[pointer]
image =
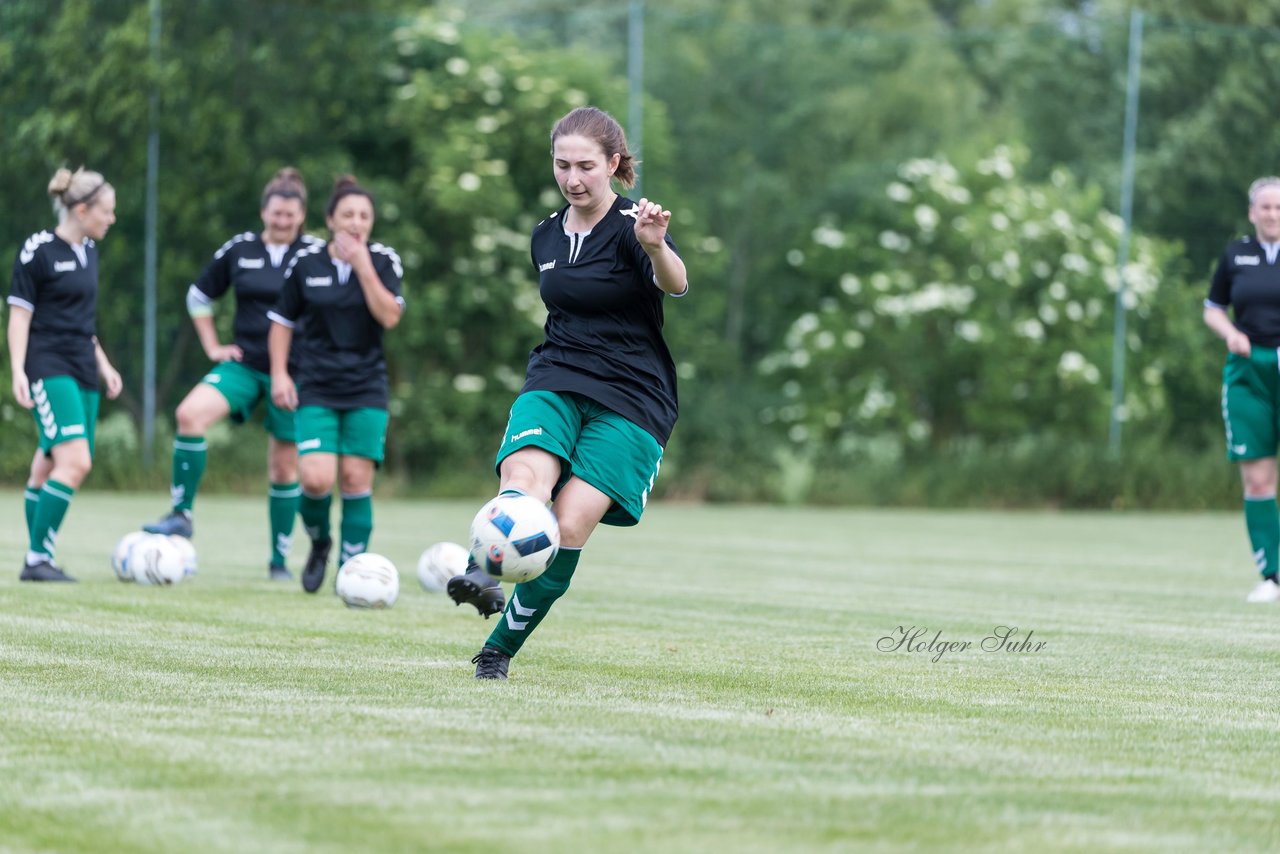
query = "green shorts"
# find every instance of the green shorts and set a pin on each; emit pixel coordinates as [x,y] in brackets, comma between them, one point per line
[347,432]
[63,411]
[243,387]
[593,443]
[1251,404]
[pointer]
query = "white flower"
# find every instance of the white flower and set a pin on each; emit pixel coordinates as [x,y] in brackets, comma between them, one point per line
[898,191]
[468,383]
[1030,329]
[825,235]
[850,284]
[969,330]
[926,217]
[999,221]
[457,66]
[894,241]
[469,181]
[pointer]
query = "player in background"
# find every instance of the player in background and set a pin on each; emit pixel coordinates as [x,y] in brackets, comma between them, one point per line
[252,266]
[56,358]
[1247,280]
[599,399]
[339,297]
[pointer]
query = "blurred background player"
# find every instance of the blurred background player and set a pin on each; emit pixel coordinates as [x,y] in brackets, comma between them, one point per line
[599,399]
[1247,280]
[56,357]
[339,296]
[252,266]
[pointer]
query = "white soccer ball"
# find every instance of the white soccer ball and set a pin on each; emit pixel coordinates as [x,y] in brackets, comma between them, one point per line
[155,560]
[120,556]
[514,538]
[440,563]
[368,580]
[188,552]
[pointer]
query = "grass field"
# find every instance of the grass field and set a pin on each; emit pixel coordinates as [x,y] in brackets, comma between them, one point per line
[716,680]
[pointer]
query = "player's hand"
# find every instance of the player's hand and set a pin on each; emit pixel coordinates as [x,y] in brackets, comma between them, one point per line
[353,249]
[1238,343]
[284,393]
[22,391]
[651,224]
[225,353]
[114,383]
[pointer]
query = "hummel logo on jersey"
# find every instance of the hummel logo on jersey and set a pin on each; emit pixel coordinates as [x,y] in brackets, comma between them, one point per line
[1239,450]
[534,431]
[64,266]
[251,263]
[73,430]
[550,265]
[33,243]
[1248,260]
[319,281]
[634,212]
[308,445]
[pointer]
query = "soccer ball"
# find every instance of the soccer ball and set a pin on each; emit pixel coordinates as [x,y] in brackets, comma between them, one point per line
[440,563]
[368,580]
[514,538]
[120,556]
[154,559]
[188,552]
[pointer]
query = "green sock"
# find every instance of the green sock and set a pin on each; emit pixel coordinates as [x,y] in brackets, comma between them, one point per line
[315,514]
[357,525]
[282,507]
[55,498]
[1262,519]
[30,499]
[530,601]
[190,453]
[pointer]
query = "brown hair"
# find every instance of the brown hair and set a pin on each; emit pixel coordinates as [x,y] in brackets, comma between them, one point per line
[595,124]
[343,186]
[287,184]
[69,189]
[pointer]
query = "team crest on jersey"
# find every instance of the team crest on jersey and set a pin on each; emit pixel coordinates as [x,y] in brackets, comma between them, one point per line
[251,263]
[1248,260]
[64,266]
[319,281]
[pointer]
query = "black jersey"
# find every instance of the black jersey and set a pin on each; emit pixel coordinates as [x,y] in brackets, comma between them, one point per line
[340,360]
[61,291]
[1247,282]
[245,265]
[604,322]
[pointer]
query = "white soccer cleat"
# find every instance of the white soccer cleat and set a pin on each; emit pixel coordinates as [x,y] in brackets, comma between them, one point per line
[1266,591]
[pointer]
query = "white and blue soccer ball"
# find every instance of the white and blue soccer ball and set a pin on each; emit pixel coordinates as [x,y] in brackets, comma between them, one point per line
[368,580]
[120,555]
[439,563]
[188,552]
[154,559]
[514,538]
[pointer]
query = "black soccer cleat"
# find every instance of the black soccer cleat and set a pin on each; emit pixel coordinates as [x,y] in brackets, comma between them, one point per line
[45,570]
[479,588]
[491,663]
[279,572]
[178,523]
[313,572]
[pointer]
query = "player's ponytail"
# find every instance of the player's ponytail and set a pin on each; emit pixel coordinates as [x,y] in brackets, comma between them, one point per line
[68,189]
[595,124]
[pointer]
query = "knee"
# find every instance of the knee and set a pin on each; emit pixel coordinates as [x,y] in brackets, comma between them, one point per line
[190,419]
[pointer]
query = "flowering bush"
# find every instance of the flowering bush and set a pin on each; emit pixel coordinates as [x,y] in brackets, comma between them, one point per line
[968,305]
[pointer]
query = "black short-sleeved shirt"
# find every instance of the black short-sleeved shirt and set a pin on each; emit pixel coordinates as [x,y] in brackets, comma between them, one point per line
[1247,282]
[244,264]
[61,292]
[604,323]
[340,360]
